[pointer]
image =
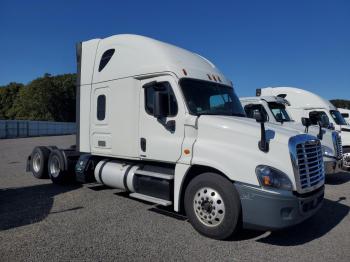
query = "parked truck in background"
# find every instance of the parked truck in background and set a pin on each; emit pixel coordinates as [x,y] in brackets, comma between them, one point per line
[307,104]
[275,109]
[345,114]
[165,125]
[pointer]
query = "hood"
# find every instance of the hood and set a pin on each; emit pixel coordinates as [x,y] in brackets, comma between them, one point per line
[248,127]
[230,144]
[327,139]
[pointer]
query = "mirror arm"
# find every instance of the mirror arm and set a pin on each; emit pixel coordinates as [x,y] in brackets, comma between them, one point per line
[320,133]
[263,144]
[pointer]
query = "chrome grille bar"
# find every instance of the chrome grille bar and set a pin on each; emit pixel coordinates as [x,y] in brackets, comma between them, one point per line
[307,159]
[338,146]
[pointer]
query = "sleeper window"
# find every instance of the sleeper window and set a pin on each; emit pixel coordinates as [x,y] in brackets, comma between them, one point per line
[107,55]
[163,87]
[101,107]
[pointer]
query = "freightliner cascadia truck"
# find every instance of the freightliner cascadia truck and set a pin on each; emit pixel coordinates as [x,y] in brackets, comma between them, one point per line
[165,125]
[275,109]
[303,103]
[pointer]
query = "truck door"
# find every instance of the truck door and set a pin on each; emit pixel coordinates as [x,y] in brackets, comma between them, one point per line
[161,139]
[100,135]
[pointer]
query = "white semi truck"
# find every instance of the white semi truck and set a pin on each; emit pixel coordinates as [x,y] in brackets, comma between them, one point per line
[345,114]
[306,104]
[275,109]
[165,125]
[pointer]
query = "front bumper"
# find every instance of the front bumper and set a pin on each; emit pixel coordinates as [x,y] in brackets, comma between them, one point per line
[332,166]
[265,210]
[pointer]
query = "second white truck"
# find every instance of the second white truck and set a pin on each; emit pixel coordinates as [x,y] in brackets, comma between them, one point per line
[345,114]
[275,109]
[165,125]
[307,104]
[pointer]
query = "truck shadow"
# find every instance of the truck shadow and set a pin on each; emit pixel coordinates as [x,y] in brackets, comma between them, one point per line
[328,217]
[338,178]
[29,205]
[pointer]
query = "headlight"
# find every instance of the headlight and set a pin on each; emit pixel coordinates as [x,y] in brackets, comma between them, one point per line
[327,151]
[273,178]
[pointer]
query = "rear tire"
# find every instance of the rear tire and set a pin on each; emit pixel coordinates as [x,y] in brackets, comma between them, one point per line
[57,168]
[213,206]
[346,158]
[38,162]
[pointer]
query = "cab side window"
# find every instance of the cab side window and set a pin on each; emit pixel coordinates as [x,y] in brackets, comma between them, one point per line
[250,108]
[164,87]
[101,107]
[315,116]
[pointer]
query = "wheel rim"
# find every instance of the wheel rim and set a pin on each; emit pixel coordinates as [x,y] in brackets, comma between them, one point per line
[36,162]
[55,166]
[346,160]
[209,206]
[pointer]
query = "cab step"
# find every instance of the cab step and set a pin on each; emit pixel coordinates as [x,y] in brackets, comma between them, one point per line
[154,174]
[151,199]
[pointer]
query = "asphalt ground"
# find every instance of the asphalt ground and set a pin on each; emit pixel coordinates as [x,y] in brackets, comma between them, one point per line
[40,221]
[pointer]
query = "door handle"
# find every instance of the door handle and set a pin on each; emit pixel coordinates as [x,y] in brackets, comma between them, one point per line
[143,144]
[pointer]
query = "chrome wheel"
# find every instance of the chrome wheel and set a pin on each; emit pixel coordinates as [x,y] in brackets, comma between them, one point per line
[54,166]
[209,206]
[346,160]
[36,162]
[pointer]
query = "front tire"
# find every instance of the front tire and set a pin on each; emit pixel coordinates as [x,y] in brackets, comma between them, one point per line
[213,206]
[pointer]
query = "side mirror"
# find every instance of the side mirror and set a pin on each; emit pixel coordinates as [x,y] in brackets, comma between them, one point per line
[324,121]
[306,122]
[259,117]
[160,104]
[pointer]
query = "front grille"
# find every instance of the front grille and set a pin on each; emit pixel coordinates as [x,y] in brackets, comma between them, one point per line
[337,145]
[309,162]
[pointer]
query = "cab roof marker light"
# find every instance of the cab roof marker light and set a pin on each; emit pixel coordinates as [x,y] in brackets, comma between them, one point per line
[219,78]
[209,76]
[184,71]
[214,78]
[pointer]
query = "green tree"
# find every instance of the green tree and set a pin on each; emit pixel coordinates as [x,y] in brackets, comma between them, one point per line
[341,103]
[8,96]
[47,98]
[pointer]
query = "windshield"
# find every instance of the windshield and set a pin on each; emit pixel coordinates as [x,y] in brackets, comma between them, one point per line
[338,118]
[279,112]
[207,98]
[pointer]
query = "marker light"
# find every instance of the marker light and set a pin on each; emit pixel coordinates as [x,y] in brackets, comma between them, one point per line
[219,79]
[214,78]
[187,151]
[185,73]
[209,76]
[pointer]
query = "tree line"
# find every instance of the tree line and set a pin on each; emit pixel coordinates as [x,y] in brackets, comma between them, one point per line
[341,103]
[52,98]
[47,98]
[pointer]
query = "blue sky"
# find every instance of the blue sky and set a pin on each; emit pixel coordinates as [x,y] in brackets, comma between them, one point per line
[255,43]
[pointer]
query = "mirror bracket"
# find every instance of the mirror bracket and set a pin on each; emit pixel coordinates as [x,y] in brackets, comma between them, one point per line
[262,118]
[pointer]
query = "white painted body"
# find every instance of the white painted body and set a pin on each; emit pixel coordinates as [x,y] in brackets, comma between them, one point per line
[228,144]
[328,141]
[303,102]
